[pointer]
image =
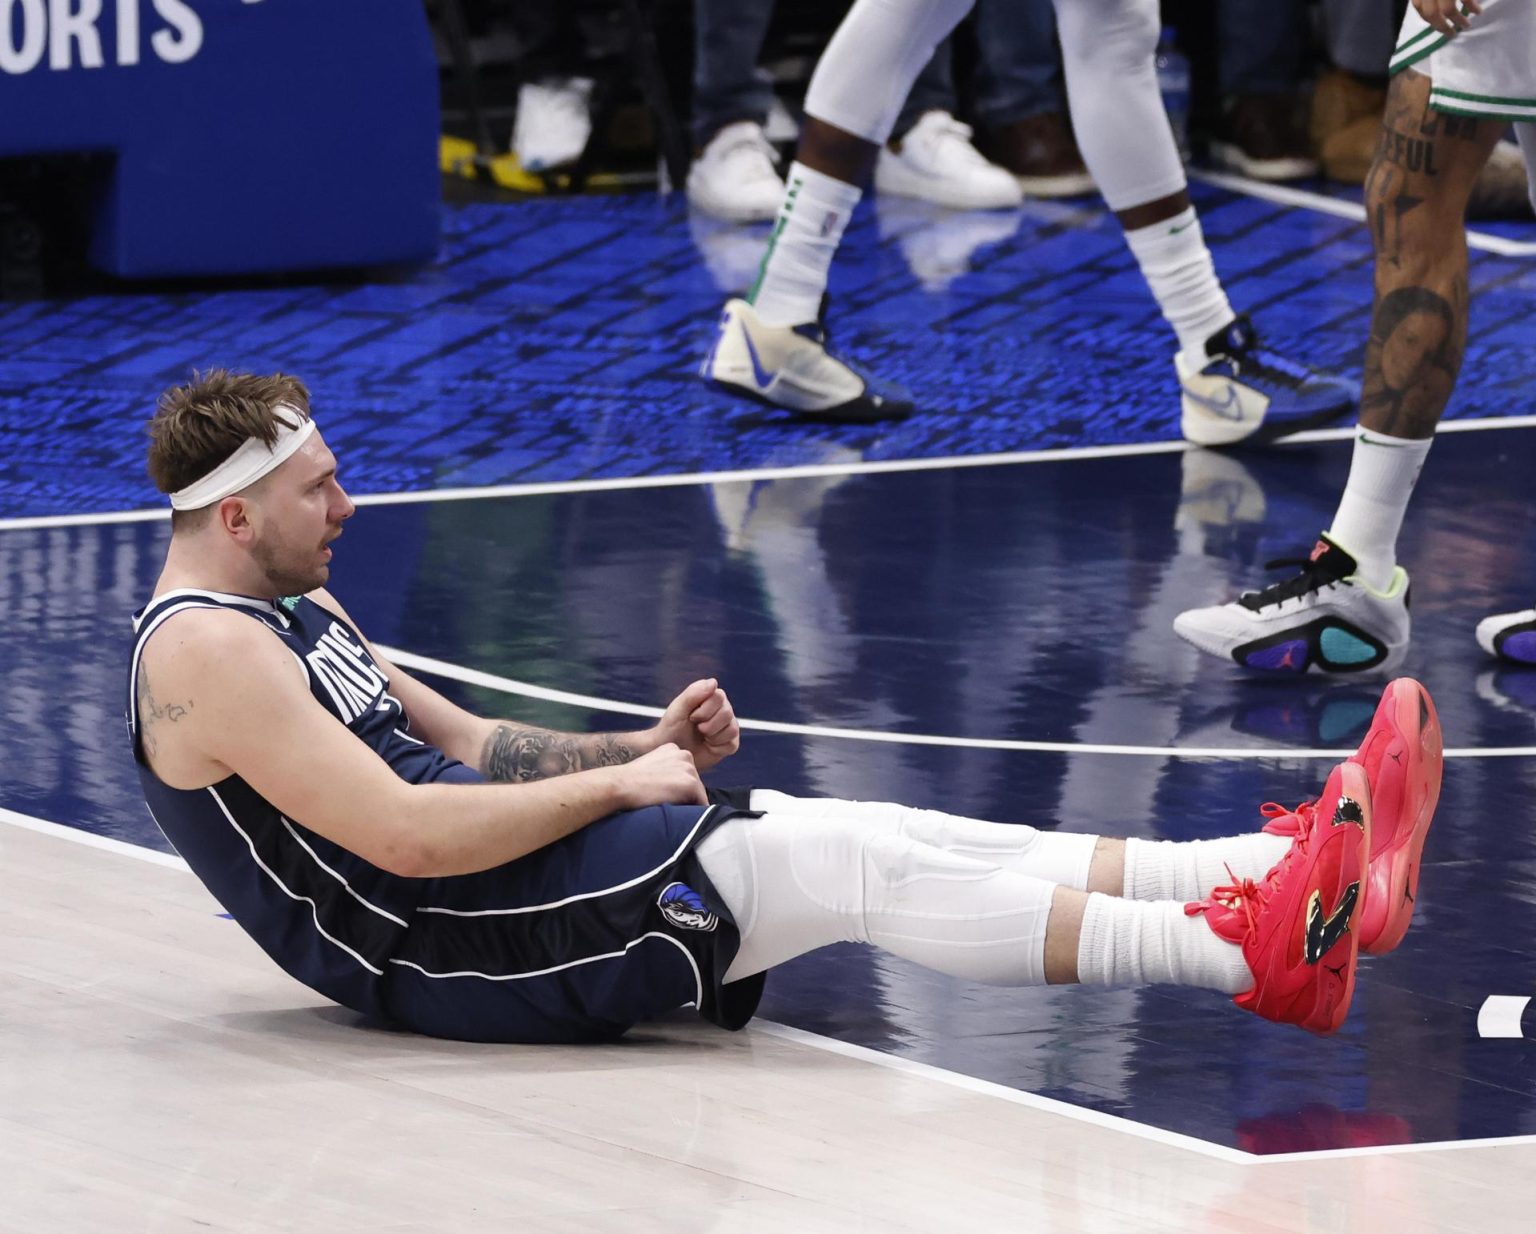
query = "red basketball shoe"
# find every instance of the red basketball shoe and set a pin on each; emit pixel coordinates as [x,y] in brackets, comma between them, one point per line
[1401,754]
[1296,928]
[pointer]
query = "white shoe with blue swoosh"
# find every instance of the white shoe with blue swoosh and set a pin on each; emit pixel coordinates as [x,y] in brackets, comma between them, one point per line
[793,367]
[1240,393]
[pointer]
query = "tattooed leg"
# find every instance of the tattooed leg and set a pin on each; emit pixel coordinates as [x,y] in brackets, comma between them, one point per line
[1416,200]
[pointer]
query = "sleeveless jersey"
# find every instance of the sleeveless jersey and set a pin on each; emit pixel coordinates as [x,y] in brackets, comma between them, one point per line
[327,917]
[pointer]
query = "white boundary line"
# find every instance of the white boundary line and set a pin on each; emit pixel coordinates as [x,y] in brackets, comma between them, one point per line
[123,849]
[928,1071]
[1323,204]
[523,689]
[749,475]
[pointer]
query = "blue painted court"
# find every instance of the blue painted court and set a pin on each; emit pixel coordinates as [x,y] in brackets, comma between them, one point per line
[991,635]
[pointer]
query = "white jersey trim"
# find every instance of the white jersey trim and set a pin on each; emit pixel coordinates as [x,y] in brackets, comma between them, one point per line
[314,909]
[223,597]
[698,980]
[352,891]
[138,650]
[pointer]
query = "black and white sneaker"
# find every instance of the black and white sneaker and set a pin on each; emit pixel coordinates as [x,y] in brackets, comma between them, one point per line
[1240,392]
[795,368]
[1326,617]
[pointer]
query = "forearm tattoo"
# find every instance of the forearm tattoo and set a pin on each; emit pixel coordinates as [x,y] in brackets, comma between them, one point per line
[518,754]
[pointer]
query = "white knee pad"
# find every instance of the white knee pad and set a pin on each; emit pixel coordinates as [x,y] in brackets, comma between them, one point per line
[868,68]
[796,884]
[1057,857]
[1108,49]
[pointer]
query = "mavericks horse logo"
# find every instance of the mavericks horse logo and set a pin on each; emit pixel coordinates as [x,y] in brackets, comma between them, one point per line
[685,908]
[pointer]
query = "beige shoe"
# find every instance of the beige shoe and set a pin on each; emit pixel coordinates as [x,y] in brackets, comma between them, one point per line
[1346,124]
[1503,189]
[1347,155]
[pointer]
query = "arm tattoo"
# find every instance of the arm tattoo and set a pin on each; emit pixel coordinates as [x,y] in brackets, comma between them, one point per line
[151,713]
[520,754]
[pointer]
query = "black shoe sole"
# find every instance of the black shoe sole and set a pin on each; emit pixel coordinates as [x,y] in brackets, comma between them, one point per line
[1267,433]
[861,410]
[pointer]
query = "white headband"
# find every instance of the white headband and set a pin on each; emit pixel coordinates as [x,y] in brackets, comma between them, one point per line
[246,465]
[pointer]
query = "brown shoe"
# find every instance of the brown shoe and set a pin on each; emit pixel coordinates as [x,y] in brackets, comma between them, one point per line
[1346,124]
[1042,154]
[1348,152]
[1261,136]
[1339,99]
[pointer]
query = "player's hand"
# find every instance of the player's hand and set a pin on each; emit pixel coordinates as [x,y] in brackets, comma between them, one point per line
[664,776]
[1446,16]
[702,721]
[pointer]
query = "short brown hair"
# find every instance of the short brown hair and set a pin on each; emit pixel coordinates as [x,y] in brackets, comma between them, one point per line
[199,425]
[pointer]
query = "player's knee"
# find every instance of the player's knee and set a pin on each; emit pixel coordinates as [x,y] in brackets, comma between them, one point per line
[1118,36]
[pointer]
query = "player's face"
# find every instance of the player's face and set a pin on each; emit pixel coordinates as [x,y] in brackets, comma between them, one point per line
[301,513]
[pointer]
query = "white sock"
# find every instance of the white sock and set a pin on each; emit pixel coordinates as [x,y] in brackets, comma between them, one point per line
[810,226]
[1178,269]
[1381,479]
[1126,942]
[1189,869]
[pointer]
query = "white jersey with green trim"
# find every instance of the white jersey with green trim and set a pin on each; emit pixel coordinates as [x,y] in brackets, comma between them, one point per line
[1487,70]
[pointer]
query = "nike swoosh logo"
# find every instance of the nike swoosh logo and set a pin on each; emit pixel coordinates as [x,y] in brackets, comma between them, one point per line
[1173,231]
[1228,408]
[763,378]
[1325,930]
[1385,445]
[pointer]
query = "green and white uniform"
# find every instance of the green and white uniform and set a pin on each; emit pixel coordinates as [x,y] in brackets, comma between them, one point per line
[1488,70]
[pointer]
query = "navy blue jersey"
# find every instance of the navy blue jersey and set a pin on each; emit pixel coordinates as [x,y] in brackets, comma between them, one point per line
[576,941]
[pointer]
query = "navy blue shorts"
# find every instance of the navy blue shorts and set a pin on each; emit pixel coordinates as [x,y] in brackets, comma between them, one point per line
[575,942]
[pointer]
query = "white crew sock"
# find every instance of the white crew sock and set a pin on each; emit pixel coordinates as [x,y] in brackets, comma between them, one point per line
[1381,479]
[1178,269]
[1187,870]
[1127,942]
[810,226]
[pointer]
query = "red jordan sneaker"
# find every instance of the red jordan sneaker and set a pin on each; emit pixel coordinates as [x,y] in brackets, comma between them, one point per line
[1296,928]
[1401,755]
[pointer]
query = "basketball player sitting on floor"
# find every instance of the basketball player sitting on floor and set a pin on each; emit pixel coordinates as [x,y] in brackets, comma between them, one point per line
[486,880]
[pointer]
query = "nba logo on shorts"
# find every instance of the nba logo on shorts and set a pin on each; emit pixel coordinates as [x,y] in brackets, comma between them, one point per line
[681,905]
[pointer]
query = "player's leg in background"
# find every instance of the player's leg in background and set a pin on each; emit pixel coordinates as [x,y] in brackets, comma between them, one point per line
[1348,609]
[1233,389]
[771,346]
[1511,636]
